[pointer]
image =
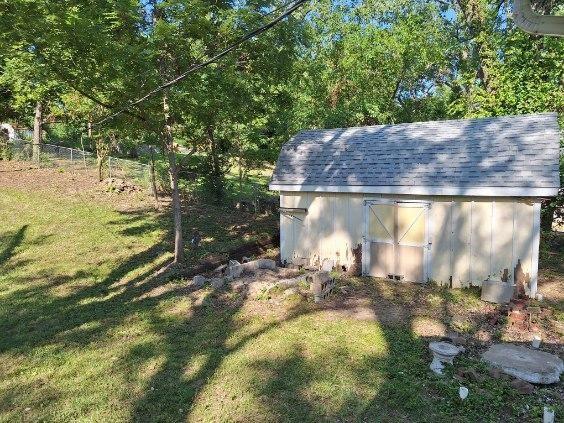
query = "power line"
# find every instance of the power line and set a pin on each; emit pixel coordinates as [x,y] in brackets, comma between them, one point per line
[296,5]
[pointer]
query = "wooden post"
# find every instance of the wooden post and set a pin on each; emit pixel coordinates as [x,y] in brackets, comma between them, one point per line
[83,152]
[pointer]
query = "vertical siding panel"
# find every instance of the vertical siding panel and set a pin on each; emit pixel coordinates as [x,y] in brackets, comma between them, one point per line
[300,226]
[356,220]
[502,238]
[523,237]
[535,249]
[481,240]
[341,236]
[440,238]
[315,223]
[461,243]
[325,224]
[286,229]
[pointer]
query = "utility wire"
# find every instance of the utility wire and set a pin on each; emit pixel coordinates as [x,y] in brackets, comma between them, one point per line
[295,6]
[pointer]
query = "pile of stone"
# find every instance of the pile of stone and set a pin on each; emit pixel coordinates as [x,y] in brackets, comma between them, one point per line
[227,273]
[257,277]
[120,186]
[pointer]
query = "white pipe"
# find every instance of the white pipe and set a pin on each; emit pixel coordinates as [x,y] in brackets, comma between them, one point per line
[530,21]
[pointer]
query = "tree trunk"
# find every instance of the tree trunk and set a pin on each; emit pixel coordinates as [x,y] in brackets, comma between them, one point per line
[153,179]
[240,163]
[547,215]
[216,172]
[37,131]
[173,173]
[99,161]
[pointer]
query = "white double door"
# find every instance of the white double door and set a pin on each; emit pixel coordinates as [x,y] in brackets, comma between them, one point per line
[396,240]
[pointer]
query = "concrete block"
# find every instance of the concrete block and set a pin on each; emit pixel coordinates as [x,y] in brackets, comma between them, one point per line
[497,292]
[321,285]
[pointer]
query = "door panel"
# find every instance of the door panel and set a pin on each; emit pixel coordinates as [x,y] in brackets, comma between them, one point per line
[410,263]
[381,259]
[381,222]
[397,240]
[411,225]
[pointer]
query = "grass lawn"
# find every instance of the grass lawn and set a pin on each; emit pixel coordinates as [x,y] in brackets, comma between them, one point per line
[88,334]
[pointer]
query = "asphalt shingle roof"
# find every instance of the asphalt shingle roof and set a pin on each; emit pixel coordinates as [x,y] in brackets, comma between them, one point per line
[511,151]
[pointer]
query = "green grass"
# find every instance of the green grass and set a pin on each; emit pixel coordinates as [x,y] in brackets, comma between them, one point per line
[88,335]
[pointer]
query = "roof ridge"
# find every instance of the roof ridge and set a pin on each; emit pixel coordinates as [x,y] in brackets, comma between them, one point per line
[426,122]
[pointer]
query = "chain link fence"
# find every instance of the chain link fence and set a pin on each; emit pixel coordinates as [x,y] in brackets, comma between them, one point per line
[64,157]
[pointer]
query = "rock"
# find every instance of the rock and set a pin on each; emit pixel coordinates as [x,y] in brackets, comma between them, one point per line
[253,265]
[548,415]
[524,363]
[327,265]
[463,392]
[266,264]
[198,281]
[245,260]
[523,387]
[217,283]
[220,269]
[234,269]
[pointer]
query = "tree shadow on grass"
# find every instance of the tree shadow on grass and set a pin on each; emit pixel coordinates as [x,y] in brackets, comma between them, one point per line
[392,384]
[193,349]
[88,312]
[10,243]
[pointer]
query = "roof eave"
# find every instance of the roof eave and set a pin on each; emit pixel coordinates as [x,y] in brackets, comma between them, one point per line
[422,190]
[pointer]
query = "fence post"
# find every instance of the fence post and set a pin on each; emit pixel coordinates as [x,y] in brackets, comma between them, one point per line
[110,165]
[83,152]
[71,154]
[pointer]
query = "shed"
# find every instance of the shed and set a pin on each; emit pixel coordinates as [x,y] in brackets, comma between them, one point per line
[453,201]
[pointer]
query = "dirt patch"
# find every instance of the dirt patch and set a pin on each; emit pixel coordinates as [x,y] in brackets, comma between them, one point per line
[428,311]
[71,182]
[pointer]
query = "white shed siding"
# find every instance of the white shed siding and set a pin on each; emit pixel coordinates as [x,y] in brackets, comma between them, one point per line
[460,242]
[502,236]
[471,237]
[441,262]
[481,240]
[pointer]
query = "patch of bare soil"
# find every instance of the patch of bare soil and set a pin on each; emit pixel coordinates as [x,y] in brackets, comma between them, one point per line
[72,182]
[428,311]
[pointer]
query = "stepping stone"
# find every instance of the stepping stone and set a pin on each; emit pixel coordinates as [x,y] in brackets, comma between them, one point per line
[524,363]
